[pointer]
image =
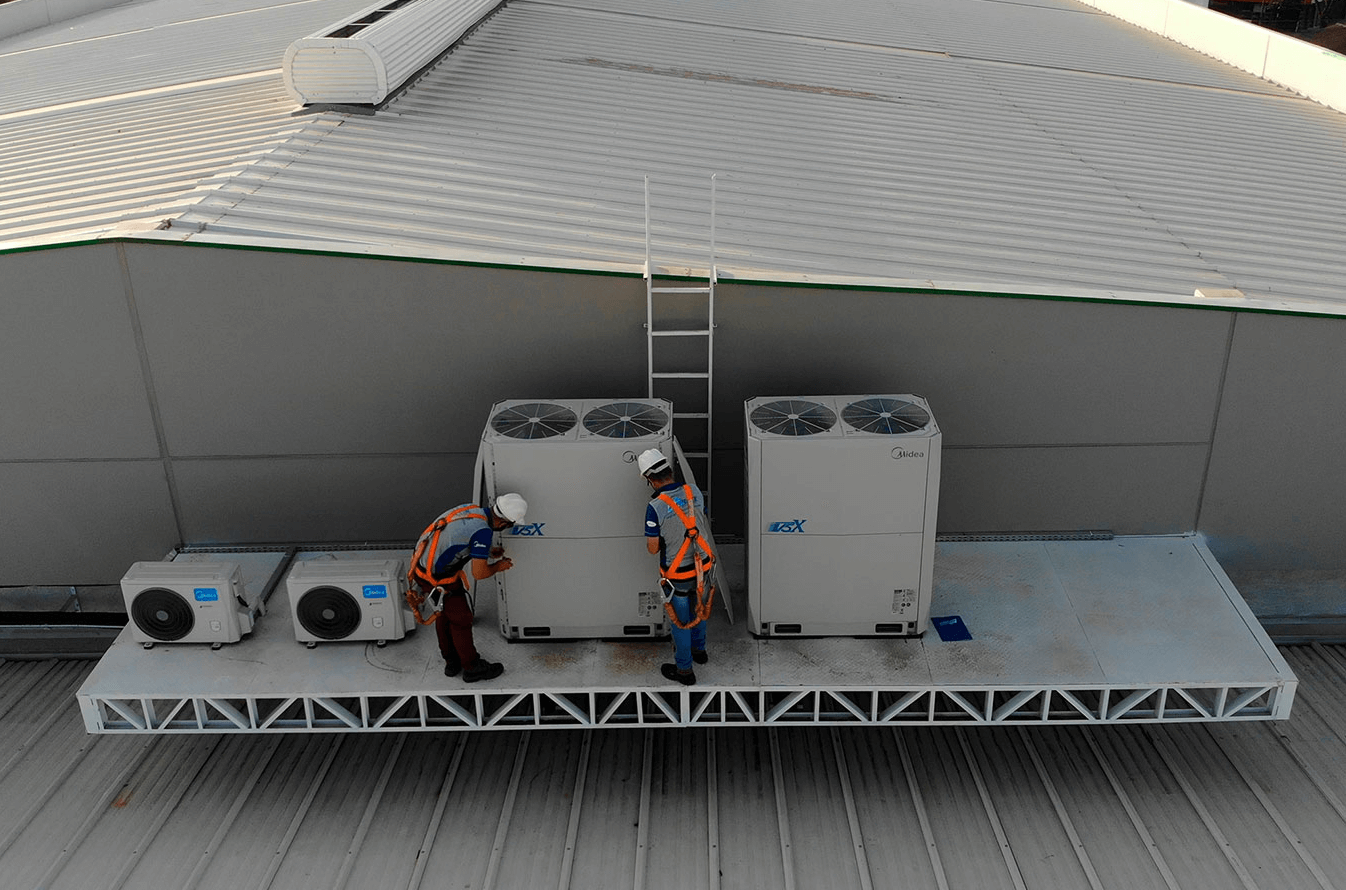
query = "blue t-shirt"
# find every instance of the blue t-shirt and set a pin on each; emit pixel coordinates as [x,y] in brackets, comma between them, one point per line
[467,537]
[662,523]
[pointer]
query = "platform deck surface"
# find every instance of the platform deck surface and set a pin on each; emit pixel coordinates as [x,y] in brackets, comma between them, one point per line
[1135,628]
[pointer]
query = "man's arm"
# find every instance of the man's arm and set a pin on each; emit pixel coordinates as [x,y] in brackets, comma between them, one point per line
[481,551]
[481,569]
[651,530]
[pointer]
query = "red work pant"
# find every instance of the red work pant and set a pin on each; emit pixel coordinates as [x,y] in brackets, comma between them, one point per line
[453,627]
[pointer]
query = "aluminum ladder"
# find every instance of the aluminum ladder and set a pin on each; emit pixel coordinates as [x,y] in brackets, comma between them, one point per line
[680,371]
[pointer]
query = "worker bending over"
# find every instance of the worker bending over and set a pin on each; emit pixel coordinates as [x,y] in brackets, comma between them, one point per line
[461,538]
[673,532]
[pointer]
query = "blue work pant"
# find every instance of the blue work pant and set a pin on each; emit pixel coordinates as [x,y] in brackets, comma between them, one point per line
[684,641]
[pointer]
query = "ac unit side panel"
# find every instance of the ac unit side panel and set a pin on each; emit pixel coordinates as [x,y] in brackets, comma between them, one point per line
[752,551]
[934,467]
[578,588]
[835,584]
[844,486]
[575,489]
[199,602]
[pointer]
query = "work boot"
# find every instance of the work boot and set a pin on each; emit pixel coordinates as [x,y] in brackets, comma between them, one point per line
[452,668]
[671,672]
[481,669]
[700,656]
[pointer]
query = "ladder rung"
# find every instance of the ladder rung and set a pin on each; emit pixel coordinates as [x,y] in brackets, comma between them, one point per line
[679,333]
[691,415]
[701,454]
[680,290]
[695,375]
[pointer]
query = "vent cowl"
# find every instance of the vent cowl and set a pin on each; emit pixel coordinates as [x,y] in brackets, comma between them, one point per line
[361,59]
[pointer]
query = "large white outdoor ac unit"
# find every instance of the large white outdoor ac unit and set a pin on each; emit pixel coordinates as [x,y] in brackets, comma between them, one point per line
[581,569]
[842,494]
[187,602]
[358,599]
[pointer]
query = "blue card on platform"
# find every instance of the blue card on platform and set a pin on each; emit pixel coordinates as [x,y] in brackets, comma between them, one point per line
[951,628]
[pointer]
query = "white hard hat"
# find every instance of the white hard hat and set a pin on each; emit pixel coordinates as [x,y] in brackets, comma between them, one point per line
[511,507]
[651,461]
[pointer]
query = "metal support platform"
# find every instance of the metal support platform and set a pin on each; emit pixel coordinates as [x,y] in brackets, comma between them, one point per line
[1131,630]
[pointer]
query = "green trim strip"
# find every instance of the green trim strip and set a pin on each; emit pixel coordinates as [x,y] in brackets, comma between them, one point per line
[752,282]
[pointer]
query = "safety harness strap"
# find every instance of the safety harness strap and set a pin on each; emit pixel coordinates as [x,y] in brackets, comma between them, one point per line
[703,558]
[418,574]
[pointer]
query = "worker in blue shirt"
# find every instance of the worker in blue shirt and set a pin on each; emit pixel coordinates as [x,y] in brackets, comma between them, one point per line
[459,540]
[673,534]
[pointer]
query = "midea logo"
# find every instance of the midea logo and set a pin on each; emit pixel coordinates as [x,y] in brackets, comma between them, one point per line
[898,454]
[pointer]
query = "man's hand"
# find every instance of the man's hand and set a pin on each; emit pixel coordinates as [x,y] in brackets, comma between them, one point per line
[502,566]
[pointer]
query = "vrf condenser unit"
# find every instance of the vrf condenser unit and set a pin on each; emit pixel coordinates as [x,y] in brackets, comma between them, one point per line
[580,569]
[188,602]
[841,497]
[335,600]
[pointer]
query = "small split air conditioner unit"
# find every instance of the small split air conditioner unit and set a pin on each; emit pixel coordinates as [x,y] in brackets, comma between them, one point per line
[187,602]
[842,493]
[339,600]
[581,569]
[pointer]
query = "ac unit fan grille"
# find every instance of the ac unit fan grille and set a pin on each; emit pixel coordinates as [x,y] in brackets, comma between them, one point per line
[163,614]
[793,417]
[535,420]
[888,417]
[625,420]
[328,613]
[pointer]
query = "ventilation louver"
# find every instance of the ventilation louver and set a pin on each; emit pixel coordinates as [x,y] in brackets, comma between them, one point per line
[533,420]
[793,417]
[362,59]
[625,420]
[886,416]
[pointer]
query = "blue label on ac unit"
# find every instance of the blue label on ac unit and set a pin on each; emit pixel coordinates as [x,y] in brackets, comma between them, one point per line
[376,591]
[206,594]
[789,526]
[531,530]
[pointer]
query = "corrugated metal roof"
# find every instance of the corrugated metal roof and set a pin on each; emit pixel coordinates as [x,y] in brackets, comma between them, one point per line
[121,114]
[89,167]
[1138,806]
[1031,146]
[1017,146]
[155,44]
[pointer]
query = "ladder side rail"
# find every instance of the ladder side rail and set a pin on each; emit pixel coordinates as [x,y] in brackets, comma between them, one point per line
[710,353]
[649,300]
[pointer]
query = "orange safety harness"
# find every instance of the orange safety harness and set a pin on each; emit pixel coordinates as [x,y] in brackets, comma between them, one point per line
[418,575]
[703,558]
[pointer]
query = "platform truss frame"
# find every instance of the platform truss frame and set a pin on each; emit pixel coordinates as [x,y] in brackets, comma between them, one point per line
[480,710]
